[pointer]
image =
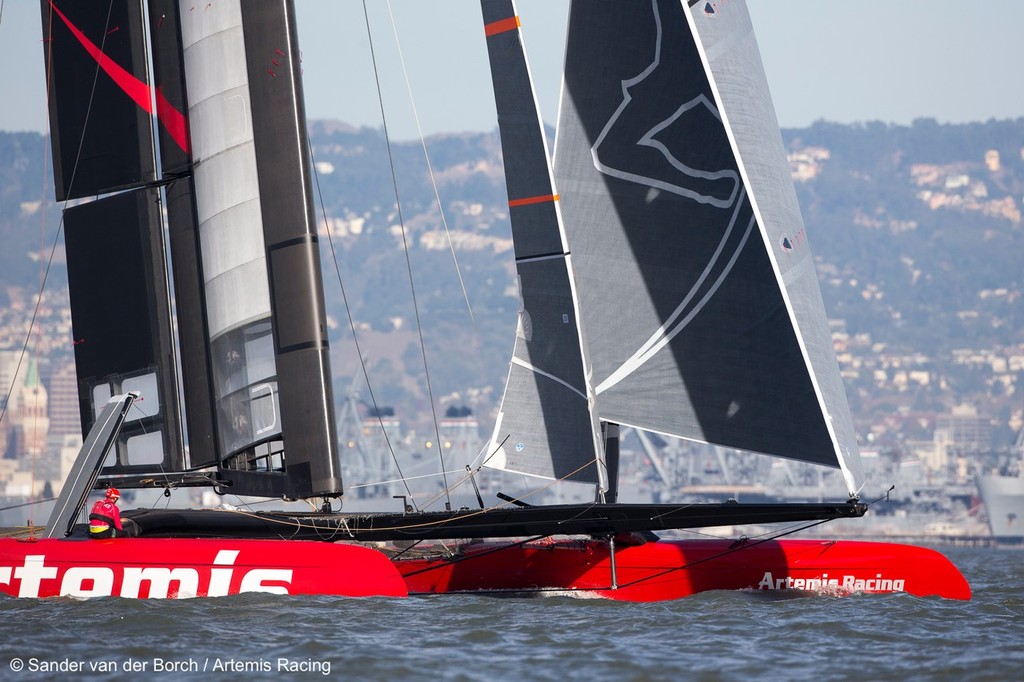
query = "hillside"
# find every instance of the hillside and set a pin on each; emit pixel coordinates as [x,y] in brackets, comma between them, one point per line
[917,231]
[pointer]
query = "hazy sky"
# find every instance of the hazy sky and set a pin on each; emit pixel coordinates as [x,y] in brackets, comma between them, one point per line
[887,60]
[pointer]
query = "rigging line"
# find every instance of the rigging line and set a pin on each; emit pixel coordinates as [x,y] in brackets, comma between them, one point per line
[535,491]
[27,504]
[44,272]
[458,483]
[692,531]
[430,168]
[408,258]
[549,484]
[680,507]
[352,325]
[582,511]
[142,425]
[396,480]
[410,547]
[882,497]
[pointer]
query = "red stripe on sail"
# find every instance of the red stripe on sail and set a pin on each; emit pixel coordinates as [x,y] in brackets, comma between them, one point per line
[140,93]
[132,86]
[501,26]
[525,201]
[173,121]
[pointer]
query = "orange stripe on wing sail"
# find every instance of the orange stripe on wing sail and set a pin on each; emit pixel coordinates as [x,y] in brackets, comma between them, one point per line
[525,201]
[501,26]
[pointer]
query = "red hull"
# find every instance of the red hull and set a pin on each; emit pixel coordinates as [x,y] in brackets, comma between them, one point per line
[673,569]
[175,568]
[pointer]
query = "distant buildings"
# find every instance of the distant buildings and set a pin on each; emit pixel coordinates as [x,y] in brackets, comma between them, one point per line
[964,430]
[952,187]
[40,433]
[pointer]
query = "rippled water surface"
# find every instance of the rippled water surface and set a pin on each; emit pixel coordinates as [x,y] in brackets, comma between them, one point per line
[712,636]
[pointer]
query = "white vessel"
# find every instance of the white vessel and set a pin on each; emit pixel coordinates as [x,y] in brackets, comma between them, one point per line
[1003,496]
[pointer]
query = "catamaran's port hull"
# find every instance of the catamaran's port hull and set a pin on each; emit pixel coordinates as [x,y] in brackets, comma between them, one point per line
[669,569]
[180,567]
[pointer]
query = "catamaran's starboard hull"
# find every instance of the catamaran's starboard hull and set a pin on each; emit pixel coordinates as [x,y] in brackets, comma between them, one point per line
[667,569]
[179,568]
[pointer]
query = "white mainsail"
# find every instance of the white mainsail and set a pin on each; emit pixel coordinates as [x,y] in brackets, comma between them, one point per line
[696,286]
[263,299]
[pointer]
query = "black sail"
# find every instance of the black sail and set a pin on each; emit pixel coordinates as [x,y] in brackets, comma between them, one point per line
[99,96]
[545,426]
[696,286]
[121,320]
[100,105]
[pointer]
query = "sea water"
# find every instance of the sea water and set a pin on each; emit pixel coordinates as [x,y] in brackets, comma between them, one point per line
[710,636]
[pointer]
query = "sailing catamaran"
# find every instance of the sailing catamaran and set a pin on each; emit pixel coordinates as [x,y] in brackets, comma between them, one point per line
[665,283]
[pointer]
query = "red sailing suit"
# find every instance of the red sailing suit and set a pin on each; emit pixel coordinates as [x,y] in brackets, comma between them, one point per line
[104,520]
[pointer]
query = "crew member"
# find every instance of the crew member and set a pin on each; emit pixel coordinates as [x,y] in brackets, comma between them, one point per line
[105,517]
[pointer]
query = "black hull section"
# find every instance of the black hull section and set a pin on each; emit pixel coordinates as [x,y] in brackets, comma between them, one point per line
[595,520]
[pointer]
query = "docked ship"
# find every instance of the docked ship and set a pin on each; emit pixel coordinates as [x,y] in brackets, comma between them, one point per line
[1003,494]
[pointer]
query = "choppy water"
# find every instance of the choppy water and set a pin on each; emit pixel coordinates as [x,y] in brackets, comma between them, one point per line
[712,636]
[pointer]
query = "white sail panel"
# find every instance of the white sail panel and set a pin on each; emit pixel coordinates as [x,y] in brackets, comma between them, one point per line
[690,330]
[227,190]
[237,290]
[544,426]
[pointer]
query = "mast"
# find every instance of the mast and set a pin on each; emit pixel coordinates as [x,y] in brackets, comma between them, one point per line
[249,298]
[175,159]
[262,287]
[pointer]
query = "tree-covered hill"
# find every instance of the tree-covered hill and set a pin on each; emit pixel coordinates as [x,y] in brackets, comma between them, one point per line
[917,231]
